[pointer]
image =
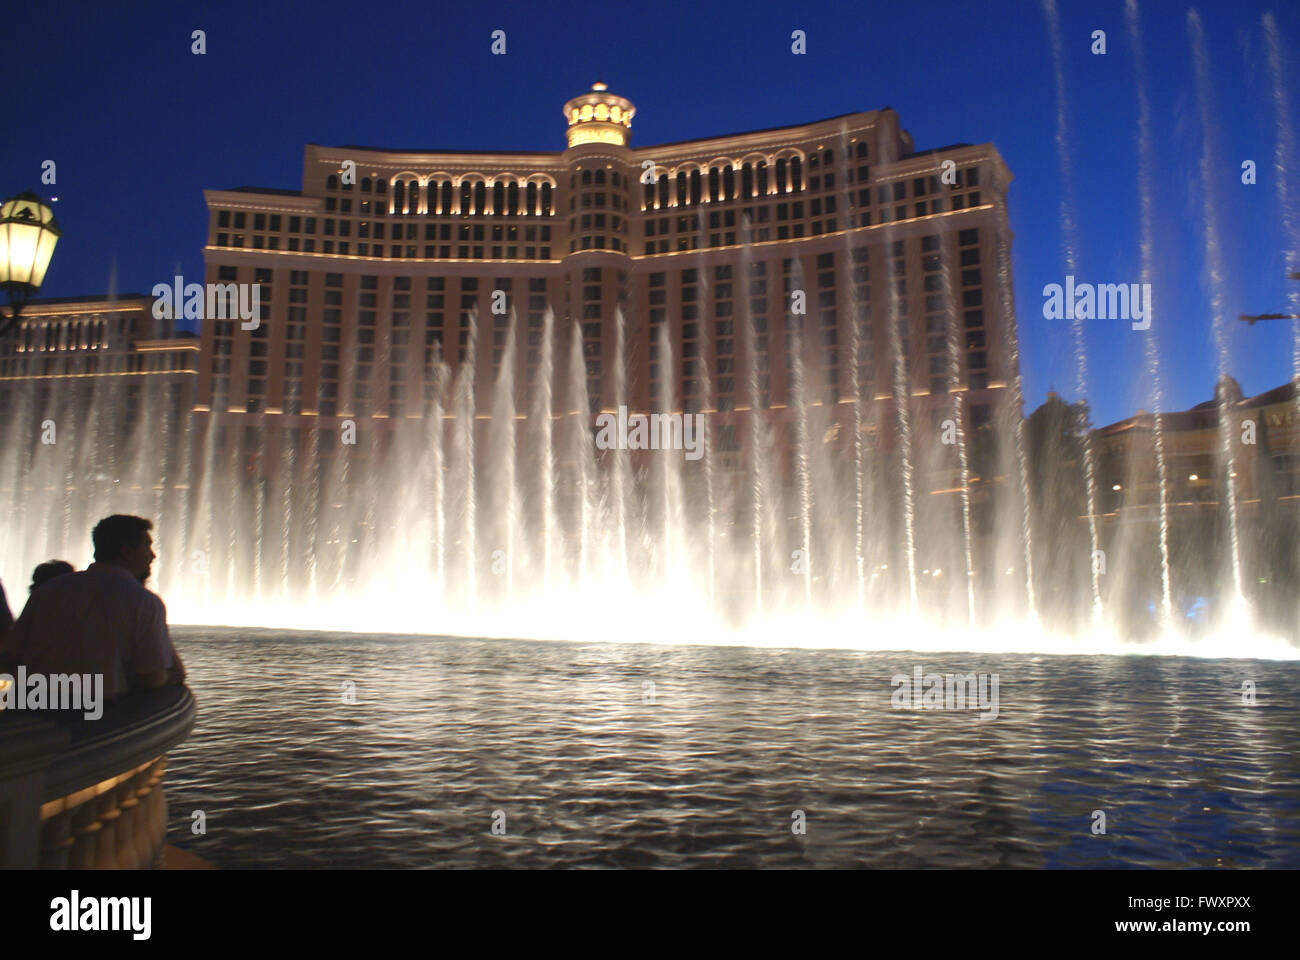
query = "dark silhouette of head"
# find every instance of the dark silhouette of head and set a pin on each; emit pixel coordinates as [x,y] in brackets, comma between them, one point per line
[47,571]
[124,541]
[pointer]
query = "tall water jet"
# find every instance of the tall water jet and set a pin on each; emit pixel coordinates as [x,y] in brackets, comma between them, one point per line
[620,470]
[1069,241]
[670,480]
[503,429]
[959,421]
[706,460]
[438,484]
[315,502]
[803,481]
[544,424]
[1214,269]
[1146,167]
[1284,153]
[1007,308]
[856,341]
[287,468]
[580,452]
[465,415]
[757,465]
[901,387]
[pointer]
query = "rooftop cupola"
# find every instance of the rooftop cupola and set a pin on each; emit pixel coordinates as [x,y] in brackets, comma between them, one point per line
[599,117]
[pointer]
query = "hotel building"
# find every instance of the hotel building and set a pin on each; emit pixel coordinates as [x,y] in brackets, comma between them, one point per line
[86,384]
[106,355]
[739,249]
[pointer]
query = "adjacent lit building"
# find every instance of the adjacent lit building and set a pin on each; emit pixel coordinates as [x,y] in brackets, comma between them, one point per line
[71,350]
[97,395]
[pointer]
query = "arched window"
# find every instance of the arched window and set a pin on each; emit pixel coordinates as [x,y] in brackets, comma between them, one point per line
[729,183]
[695,186]
[498,198]
[681,189]
[780,175]
[828,158]
[512,198]
[762,178]
[530,203]
[796,173]
[446,196]
[399,197]
[663,191]
[862,149]
[480,198]
[650,196]
[465,194]
[365,184]
[546,199]
[747,181]
[714,192]
[413,196]
[332,182]
[381,187]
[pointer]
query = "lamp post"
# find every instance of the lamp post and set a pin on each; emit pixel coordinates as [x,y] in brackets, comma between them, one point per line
[28,235]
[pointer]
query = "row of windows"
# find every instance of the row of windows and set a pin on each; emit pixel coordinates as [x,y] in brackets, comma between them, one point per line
[471,199]
[750,180]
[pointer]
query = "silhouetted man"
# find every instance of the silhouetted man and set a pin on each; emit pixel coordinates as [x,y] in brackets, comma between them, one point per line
[101,620]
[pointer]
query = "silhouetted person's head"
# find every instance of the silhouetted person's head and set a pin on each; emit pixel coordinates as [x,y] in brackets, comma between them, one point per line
[125,542]
[48,570]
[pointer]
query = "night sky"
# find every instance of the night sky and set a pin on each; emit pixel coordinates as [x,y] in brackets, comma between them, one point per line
[138,126]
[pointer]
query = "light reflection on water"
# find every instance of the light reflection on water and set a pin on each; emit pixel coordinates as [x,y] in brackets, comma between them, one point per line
[559,737]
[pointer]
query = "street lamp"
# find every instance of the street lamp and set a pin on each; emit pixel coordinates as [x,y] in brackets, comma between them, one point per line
[28,234]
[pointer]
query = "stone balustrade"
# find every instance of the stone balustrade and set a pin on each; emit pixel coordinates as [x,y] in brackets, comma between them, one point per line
[87,794]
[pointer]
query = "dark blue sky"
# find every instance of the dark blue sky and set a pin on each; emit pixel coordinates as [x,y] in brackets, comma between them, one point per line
[139,126]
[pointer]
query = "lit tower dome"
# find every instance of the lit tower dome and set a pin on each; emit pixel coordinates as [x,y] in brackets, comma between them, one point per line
[599,117]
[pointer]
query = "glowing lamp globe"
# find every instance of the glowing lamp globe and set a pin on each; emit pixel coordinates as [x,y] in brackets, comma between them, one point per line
[28,235]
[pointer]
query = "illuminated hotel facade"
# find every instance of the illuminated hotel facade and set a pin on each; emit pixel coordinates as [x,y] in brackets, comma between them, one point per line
[103,361]
[85,383]
[740,250]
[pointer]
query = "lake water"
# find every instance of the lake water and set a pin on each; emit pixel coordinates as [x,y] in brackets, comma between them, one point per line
[637,755]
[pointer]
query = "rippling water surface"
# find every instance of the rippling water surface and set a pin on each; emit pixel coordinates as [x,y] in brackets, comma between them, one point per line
[633,755]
